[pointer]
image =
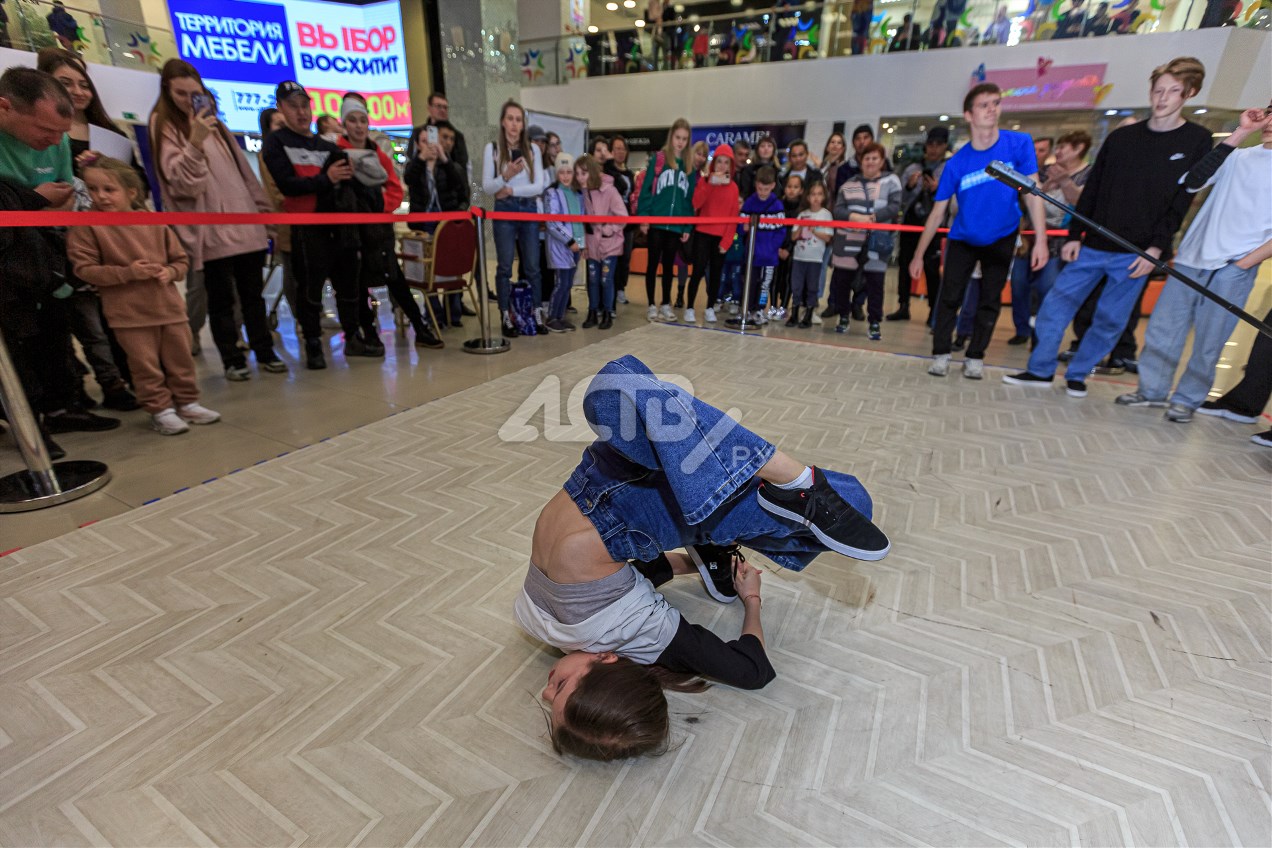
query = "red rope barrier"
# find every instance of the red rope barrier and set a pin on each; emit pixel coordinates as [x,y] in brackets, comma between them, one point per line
[134,219]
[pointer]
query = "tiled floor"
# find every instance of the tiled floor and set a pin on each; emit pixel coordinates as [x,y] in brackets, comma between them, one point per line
[273,414]
[1069,644]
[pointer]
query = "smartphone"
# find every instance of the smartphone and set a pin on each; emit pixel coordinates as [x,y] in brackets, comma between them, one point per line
[200,103]
[516,154]
[430,133]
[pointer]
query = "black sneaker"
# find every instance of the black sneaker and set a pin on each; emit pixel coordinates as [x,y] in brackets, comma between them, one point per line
[1024,378]
[314,359]
[1075,388]
[1112,367]
[715,564]
[833,520]
[1219,410]
[858,314]
[355,346]
[1264,438]
[119,398]
[1065,355]
[959,343]
[79,421]
[899,315]
[1016,341]
[425,337]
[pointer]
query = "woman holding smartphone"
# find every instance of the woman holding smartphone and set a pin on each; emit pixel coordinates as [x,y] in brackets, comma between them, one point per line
[202,169]
[515,177]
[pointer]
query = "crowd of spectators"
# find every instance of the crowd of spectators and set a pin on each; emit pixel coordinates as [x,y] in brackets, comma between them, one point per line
[93,286]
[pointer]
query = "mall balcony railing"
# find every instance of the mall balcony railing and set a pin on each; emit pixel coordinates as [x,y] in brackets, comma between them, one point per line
[35,24]
[795,32]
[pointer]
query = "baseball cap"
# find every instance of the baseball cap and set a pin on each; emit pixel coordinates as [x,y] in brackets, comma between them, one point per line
[863,128]
[938,134]
[288,88]
[536,133]
[564,160]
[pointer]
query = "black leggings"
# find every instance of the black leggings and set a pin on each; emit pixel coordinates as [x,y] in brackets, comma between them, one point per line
[662,246]
[708,260]
[960,260]
[1252,393]
[846,282]
[222,278]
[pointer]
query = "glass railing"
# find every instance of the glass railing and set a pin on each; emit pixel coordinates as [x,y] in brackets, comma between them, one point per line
[35,24]
[794,31]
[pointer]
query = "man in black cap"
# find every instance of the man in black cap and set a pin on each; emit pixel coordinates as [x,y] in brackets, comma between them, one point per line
[309,171]
[918,185]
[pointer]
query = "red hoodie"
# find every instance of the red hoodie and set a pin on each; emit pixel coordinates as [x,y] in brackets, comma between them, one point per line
[718,201]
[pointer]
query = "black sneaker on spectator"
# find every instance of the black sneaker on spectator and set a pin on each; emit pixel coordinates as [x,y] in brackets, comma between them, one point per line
[1264,438]
[1065,355]
[959,343]
[314,358]
[427,338]
[1111,367]
[1075,388]
[715,564]
[1024,378]
[355,346]
[1139,400]
[120,398]
[1017,340]
[79,421]
[832,519]
[1218,410]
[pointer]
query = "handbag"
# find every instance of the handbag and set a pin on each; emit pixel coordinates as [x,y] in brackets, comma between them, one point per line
[878,242]
[523,307]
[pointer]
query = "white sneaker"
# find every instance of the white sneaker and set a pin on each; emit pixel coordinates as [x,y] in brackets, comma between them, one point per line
[759,318]
[974,369]
[940,365]
[710,316]
[817,319]
[622,297]
[168,423]
[733,309]
[691,317]
[652,314]
[665,313]
[196,414]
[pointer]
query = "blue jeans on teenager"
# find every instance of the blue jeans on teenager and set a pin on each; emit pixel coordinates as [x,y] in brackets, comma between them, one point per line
[1071,288]
[1178,310]
[508,234]
[600,284]
[668,470]
[561,291]
[1024,283]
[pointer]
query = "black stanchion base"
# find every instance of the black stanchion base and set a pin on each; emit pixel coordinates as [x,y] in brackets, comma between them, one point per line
[495,345]
[21,491]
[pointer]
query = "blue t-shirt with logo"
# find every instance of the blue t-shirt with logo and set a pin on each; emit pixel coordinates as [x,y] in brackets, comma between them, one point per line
[987,209]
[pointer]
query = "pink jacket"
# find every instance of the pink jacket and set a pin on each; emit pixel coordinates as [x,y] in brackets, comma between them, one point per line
[212,178]
[605,240]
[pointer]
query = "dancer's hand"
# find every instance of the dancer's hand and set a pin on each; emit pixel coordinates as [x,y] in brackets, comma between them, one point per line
[746,579]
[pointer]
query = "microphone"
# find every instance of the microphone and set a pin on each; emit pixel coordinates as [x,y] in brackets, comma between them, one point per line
[1008,175]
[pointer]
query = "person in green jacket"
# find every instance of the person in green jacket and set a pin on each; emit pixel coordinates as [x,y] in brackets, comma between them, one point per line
[667,191]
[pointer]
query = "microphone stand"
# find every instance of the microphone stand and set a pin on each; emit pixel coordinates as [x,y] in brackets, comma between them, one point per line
[1007,175]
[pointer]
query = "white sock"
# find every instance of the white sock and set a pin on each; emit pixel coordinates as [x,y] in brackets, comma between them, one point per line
[803,481]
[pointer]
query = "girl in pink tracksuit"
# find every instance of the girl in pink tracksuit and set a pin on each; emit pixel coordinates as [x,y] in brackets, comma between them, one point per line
[604,241]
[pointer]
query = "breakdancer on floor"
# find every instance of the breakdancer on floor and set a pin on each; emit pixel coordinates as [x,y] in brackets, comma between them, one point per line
[667,471]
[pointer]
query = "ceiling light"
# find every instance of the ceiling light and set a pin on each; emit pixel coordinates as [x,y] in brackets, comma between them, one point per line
[890,129]
[885,125]
[1110,112]
[629,4]
[945,117]
[1200,111]
[611,7]
[696,27]
[735,2]
[593,28]
[679,8]
[640,23]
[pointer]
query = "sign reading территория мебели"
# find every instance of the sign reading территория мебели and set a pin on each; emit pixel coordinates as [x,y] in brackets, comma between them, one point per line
[243,49]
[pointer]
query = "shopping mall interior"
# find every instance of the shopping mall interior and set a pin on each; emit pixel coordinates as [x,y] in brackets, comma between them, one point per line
[304,624]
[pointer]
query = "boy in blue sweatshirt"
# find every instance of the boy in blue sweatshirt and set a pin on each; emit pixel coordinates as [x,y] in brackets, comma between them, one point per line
[768,240]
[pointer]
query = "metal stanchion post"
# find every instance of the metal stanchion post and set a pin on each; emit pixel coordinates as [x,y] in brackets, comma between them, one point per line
[485,344]
[43,483]
[746,278]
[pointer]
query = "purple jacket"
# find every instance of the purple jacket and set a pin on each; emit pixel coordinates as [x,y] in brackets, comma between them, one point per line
[561,234]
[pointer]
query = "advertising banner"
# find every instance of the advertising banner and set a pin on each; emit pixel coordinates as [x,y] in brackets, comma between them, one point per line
[243,49]
[1050,86]
[783,134]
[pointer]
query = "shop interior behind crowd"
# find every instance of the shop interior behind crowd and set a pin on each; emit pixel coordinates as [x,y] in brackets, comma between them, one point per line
[271,416]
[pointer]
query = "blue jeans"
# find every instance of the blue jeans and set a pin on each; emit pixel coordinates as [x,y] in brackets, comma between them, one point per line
[508,235]
[1023,283]
[1071,288]
[1179,309]
[668,470]
[967,314]
[561,292]
[600,284]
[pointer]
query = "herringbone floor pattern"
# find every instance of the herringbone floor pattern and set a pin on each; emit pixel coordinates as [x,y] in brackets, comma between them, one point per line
[1069,644]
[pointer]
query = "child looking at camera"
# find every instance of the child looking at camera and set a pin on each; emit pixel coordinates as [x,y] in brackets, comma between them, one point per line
[135,270]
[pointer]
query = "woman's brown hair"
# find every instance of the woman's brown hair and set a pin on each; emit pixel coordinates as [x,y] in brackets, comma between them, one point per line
[593,170]
[166,112]
[523,143]
[618,710]
[669,155]
[1079,139]
[51,59]
[826,160]
[124,173]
